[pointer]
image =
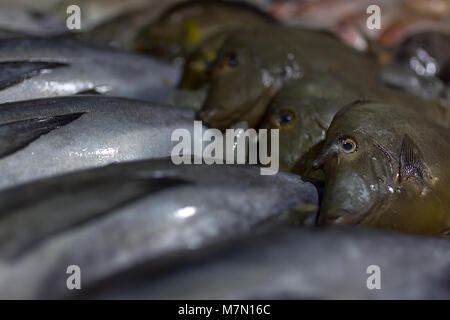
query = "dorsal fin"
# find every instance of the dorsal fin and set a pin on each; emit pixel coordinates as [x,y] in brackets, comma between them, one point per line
[16,71]
[17,135]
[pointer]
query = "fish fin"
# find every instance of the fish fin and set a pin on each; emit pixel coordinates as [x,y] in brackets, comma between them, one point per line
[16,135]
[412,169]
[15,72]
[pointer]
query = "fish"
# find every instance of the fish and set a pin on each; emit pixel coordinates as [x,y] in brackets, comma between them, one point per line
[386,167]
[20,20]
[42,68]
[421,66]
[41,7]
[183,26]
[45,137]
[109,219]
[120,31]
[294,263]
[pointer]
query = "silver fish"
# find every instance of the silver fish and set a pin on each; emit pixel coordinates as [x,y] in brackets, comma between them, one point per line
[44,137]
[297,264]
[109,219]
[20,19]
[40,68]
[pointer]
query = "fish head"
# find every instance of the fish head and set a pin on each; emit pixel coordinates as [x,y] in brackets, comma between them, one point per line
[244,79]
[302,115]
[359,164]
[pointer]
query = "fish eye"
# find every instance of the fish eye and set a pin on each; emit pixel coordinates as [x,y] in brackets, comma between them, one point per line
[225,62]
[232,60]
[348,145]
[286,116]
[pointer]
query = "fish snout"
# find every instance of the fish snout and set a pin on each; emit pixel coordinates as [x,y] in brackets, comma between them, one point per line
[325,155]
[338,216]
[206,115]
[216,117]
[209,116]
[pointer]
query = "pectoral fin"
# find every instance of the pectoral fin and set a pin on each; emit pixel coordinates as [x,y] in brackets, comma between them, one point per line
[412,170]
[16,71]
[15,136]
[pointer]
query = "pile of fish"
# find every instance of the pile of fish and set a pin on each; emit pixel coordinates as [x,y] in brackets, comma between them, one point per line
[87,130]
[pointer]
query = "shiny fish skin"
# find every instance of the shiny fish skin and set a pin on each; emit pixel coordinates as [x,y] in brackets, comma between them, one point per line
[90,68]
[106,130]
[297,264]
[109,219]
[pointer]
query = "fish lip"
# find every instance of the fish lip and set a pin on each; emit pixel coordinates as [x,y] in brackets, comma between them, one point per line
[222,118]
[341,216]
[217,116]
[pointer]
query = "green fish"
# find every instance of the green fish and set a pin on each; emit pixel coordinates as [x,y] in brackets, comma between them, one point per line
[386,167]
[184,26]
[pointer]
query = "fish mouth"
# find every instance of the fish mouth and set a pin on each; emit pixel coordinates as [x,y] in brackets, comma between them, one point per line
[219,117]
[251,112]
[341,216]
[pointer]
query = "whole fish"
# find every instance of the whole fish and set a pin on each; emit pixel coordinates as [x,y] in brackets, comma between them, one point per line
[45,137]
[421,66]
[295,264]
[183,26]
[110,219]
[386,167]
[40,68]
